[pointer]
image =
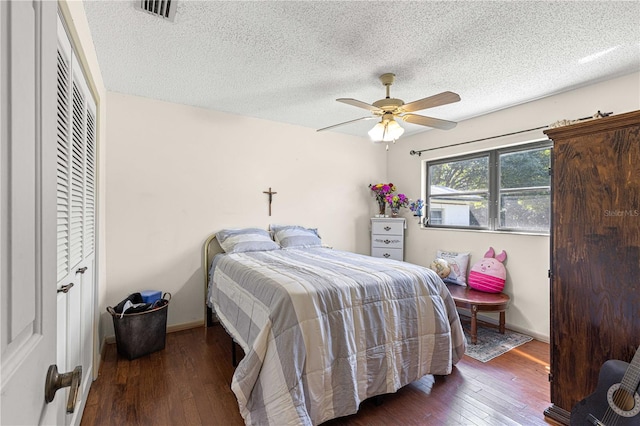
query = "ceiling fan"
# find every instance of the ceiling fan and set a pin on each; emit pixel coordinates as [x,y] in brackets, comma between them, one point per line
[389,109]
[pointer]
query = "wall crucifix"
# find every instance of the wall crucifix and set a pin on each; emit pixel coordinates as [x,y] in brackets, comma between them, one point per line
[270,192]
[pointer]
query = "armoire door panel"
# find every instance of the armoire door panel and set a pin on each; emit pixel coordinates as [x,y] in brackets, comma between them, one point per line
[595,253]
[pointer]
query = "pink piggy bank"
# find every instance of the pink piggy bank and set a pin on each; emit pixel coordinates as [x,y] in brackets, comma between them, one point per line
[488,274]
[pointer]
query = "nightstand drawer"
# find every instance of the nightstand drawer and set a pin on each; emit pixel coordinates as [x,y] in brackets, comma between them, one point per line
[390,241]
[391,228]
[387,253]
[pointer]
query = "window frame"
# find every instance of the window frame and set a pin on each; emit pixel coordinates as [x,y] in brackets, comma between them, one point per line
[494,190]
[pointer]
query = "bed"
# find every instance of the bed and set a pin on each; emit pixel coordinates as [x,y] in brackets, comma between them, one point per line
[323,329]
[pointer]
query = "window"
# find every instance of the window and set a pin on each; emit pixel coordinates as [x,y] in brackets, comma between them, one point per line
[505,189]
[524,190]
[436,216]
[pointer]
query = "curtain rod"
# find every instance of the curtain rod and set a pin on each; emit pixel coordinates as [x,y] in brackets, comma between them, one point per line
[556,124]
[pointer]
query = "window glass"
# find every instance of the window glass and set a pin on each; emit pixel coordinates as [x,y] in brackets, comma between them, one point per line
[462,175]
[508,190]
[525,168]
[526,211]
[461,210]
[525,189]
[436,216]
[459,191]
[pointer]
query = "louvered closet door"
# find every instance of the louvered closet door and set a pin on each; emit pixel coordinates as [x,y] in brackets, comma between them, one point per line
[76,198]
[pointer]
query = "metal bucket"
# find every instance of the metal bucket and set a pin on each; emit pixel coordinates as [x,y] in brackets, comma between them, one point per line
[141,333]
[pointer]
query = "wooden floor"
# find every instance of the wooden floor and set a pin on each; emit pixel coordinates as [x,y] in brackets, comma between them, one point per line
[188,383]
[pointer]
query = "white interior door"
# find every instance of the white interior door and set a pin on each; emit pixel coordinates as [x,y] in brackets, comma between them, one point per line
[28,212]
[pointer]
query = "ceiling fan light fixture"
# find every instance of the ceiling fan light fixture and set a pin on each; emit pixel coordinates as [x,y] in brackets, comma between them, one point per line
[387,130]
[390,109]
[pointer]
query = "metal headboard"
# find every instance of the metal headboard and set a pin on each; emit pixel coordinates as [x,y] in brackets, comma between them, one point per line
[209,249]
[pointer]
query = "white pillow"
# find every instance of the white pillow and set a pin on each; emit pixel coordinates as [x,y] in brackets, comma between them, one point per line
[296,236]
[247,239]
[458,262]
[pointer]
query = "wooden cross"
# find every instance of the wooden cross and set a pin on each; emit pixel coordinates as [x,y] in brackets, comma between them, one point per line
[270,192]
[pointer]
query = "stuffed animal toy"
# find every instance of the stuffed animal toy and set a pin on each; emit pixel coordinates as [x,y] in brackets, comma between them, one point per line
[441,267]
[489,273]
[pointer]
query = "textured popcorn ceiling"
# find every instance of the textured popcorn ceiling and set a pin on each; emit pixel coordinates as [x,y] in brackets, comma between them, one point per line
[288,61]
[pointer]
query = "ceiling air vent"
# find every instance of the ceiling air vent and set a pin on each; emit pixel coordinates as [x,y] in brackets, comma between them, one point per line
[165,9]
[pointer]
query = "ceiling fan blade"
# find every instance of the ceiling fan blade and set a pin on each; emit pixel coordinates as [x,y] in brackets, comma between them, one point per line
[432,101]
[347,122]
[436,123]
[359,104]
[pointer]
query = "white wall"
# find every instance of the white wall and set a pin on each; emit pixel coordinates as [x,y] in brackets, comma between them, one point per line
[528,255]
[177,173]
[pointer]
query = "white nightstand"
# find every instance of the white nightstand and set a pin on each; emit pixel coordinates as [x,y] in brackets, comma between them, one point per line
[387,237]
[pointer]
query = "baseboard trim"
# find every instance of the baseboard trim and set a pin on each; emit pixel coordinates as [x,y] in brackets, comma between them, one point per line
[494,321]
[170,329]
[103,348]
[558,415]
[185,326]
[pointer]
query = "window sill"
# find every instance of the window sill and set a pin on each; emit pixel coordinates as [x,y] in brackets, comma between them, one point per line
[485,231]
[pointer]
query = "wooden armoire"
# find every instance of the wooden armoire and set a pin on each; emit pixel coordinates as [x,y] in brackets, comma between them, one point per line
[595,254]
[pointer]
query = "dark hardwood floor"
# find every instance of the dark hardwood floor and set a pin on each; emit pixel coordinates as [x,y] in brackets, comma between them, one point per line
[188,383]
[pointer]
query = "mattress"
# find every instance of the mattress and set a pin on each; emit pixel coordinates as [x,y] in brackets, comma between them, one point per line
[323,330]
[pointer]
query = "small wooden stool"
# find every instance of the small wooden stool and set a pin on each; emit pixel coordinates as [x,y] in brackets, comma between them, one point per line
[479,301]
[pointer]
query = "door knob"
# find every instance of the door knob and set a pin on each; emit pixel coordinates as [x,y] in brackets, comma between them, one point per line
[57,381]
[65,288]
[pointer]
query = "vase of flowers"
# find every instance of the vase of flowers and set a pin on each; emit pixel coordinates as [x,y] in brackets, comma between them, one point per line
[380,191]
[416,207]
[396,202]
